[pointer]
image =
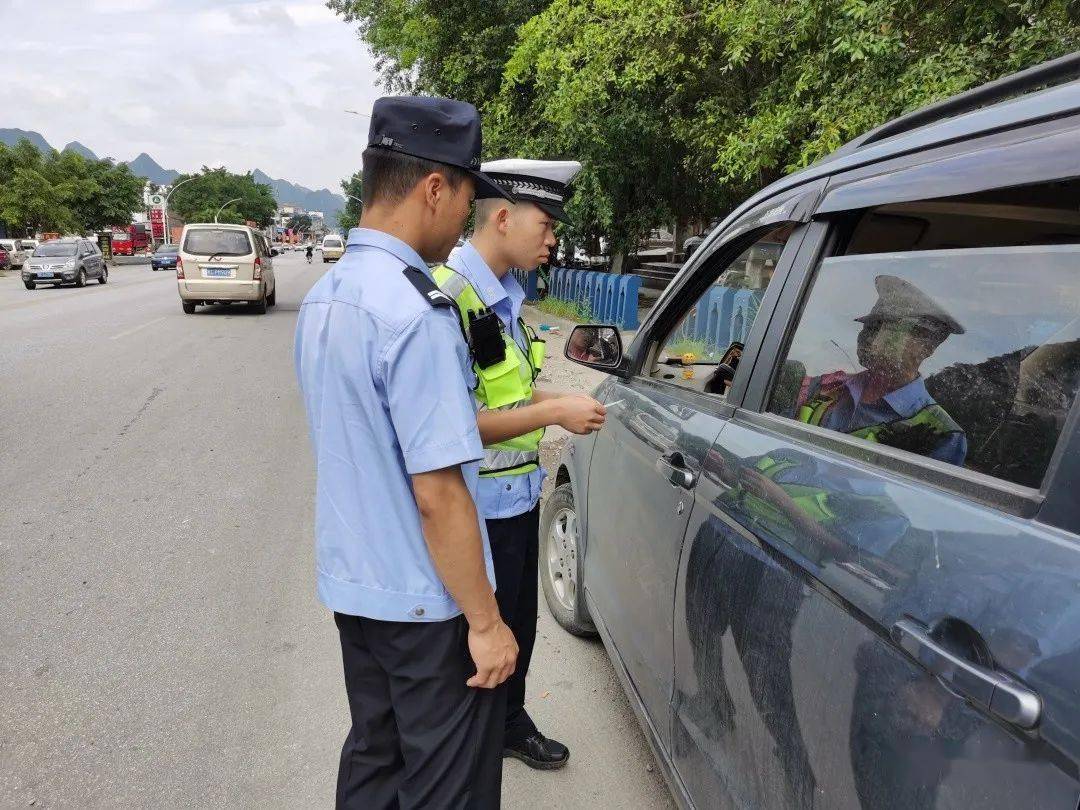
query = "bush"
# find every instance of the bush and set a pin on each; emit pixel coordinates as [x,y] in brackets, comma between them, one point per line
[570,310]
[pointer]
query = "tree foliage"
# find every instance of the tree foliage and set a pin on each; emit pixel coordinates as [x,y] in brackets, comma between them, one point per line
[63,191]
[299,222]
[349,216]
[680,108]
[200,200]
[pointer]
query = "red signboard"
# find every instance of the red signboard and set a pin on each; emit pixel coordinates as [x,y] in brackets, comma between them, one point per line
[157,223]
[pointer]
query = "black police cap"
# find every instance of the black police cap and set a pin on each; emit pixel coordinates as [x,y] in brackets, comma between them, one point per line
[437,129]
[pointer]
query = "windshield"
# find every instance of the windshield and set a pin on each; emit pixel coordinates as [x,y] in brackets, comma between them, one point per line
[165,249]
[120,236]
[331,243]
[207,242]
[56,249]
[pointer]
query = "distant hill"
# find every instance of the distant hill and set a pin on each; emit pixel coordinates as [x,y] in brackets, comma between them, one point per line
[79,149]
[13,136]
[285,193]
[146,166]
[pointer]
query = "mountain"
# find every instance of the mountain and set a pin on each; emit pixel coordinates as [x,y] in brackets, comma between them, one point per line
[79,149]
[13,136]
[146,166]
[287,193]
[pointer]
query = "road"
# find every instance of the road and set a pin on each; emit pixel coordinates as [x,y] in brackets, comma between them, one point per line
[163,646]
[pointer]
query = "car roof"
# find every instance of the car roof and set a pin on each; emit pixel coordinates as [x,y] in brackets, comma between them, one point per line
[217,225]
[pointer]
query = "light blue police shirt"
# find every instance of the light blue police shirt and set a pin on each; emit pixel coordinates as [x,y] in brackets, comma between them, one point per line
[501,496]
[385,379]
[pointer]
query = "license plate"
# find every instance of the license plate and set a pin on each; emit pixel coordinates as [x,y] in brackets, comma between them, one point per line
[218,272]
[44,274]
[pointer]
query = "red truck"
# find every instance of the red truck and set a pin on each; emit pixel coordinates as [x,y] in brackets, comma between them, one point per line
[131,239]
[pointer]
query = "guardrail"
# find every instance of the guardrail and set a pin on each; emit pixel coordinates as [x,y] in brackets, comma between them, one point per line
[611,298]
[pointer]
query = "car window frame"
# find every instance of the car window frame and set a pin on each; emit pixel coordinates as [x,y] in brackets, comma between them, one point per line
[793,205]
[823,236]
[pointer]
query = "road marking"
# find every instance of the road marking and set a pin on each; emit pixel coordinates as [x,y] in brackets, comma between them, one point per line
[135,329]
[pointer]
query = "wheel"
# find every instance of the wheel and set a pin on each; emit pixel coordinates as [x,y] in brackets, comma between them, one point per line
[258,307]
[560,563]
[30,285]
[81,280]
[104,277]
[188,307]
[271,299]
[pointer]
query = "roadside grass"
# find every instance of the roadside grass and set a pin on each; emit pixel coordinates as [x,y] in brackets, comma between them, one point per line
[570,310]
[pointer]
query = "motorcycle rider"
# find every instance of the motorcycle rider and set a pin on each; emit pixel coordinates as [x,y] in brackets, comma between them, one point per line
[308,252]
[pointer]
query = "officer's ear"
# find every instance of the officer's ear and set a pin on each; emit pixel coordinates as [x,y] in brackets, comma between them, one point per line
[503,216]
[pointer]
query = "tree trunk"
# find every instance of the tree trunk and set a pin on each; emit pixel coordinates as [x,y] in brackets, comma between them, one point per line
[618,258]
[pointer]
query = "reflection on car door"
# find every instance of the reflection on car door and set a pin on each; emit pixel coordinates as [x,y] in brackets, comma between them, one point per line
[805,678]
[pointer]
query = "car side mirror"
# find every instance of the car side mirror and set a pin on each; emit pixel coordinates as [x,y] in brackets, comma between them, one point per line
[597,347]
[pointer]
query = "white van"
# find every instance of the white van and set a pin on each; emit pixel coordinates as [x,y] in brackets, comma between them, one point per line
[333,247]
[219,264]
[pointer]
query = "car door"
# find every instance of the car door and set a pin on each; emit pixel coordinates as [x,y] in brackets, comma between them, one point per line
[661,423]
[897,622]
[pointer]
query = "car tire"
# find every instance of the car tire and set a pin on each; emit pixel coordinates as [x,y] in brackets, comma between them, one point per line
[258,307]
[560,563]
[104,277]
[80,280]
[30,285]
[271,299]
[188,307]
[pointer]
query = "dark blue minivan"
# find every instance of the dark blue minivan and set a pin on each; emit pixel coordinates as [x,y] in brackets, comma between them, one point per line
[830,533]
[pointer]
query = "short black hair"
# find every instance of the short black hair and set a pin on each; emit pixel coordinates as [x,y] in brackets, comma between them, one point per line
[389,176]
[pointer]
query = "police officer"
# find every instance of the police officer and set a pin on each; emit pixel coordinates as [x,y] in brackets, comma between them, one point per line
[888,401]
[513,412]
[402,558]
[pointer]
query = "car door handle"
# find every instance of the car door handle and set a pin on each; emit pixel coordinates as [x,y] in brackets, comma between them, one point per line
[673,467]
[994,691]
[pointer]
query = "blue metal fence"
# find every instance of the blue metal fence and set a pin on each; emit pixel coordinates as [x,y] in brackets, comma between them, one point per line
[610,298]
[722,316]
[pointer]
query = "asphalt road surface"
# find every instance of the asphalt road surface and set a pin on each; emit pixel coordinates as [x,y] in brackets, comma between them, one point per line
[162,643]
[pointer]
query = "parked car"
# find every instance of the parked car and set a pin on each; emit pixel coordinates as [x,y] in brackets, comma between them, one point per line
[164,257]
[71,260]
[5,259]
[220,264]
[333,248]
[29,245]
[16,253]
[844,570]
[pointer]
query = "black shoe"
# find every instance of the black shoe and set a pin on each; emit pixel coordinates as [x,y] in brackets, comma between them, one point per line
[537,751]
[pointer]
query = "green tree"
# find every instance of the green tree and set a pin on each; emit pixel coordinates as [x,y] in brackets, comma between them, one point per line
[349,216]
[679,109]
[299,222]
[200,200]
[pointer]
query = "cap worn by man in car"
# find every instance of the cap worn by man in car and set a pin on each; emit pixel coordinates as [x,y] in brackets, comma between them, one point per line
[901,301]
[545,183]
[438,129]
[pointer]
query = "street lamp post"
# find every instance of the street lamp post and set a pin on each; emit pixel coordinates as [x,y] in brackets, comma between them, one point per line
[165,213]
[230,202]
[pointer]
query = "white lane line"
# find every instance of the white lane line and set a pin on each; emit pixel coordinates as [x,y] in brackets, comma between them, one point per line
[135,329]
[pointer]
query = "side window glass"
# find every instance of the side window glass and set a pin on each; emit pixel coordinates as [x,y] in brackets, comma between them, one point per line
[968,356]
[703,350]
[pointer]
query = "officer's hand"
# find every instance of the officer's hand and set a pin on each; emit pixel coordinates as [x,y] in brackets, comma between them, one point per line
[494,652]
[580,414]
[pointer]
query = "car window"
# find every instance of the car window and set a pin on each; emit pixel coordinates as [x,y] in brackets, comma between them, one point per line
[703,350]
[216,242]
[968,356]
[55,249]
[333,243]
[165,249]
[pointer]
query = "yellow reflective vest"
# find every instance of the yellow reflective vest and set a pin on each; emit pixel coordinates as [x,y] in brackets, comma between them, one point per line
[505,385]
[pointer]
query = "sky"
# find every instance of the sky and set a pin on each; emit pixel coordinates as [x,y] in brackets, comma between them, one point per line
[241,83]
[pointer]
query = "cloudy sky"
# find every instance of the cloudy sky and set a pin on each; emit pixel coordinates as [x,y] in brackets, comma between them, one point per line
[241,83]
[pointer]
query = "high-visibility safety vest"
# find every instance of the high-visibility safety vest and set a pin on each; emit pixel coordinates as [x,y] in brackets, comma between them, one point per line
[915,433]
[506,385]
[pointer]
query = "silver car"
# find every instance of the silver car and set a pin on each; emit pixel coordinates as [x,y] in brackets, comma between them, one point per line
[65,261]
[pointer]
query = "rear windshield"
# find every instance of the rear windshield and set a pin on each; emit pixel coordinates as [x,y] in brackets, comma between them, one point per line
[56,249]
[331,243]
[208,242]
[165,249]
